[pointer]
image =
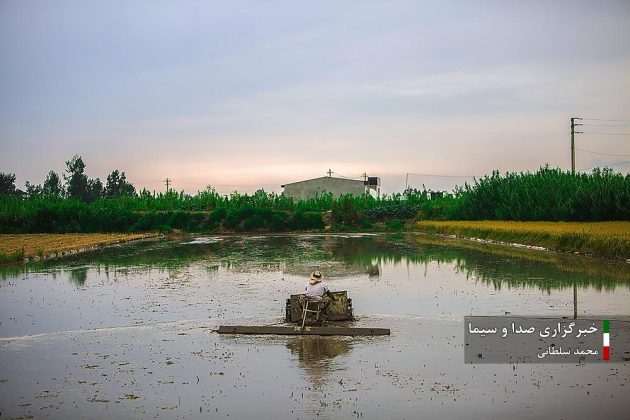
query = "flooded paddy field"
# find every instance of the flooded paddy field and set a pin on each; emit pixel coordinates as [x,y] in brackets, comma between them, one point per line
[129,331]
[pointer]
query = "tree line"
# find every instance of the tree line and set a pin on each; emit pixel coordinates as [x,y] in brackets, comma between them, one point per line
[76,184]
[76,203]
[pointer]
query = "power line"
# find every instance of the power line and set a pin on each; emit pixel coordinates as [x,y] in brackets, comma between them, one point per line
[573,133]
[347,177]
[599,153]
[170,184]
[619,163]
[604,119]
[276,184]
[607,134]
[241,185]
[445,176]
[607,165]
[437,176]
[606,125]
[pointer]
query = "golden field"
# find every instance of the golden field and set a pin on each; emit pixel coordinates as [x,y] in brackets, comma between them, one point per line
[16,247]
[610,229]
[599,239]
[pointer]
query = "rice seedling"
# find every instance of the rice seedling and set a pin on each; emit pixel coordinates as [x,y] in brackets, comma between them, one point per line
[14,248]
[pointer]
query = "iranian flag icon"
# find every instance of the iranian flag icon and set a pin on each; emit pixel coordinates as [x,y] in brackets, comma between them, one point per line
[606,353]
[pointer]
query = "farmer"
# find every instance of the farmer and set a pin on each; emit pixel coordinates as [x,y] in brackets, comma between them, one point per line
[317,290]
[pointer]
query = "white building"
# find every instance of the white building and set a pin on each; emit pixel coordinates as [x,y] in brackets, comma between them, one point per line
[303,190]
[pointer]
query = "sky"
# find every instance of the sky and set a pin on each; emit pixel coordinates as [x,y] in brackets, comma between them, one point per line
[245,95]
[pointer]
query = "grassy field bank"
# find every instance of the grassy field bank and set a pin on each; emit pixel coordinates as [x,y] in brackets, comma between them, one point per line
[598,239]
[17,248]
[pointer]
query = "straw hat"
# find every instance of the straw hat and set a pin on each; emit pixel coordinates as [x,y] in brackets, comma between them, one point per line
[316,277]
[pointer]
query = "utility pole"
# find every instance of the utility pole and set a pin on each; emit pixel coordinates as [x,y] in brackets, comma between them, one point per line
[407,182]
[329,173]
[168,183]
[573,133]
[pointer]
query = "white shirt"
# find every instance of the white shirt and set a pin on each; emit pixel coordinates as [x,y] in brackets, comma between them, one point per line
[317,289]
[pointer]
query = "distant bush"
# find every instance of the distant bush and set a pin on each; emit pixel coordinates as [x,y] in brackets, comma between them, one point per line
[395,224]
[306,221]
[216,217]
[395,210]
[345,211]
[279,222]
[366,223]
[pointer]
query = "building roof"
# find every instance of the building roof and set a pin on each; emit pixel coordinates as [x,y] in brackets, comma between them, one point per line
[324,177]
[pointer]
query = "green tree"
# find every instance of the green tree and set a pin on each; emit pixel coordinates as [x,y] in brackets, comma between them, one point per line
[118,185]
[145,194]
[7,184]
[52,185]
[95,189]
[77,183]
[76,180]
[32,190]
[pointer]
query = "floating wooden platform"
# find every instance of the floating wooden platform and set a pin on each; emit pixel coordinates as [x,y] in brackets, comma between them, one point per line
[292,330]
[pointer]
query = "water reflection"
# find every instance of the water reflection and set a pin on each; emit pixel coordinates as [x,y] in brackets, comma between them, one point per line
[341,255]
[78,275]
[179,278]
[316,354]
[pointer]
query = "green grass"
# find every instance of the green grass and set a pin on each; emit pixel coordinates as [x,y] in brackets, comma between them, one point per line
[598,239]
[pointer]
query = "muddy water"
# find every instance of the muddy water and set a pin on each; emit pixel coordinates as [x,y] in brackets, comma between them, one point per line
[128,331]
